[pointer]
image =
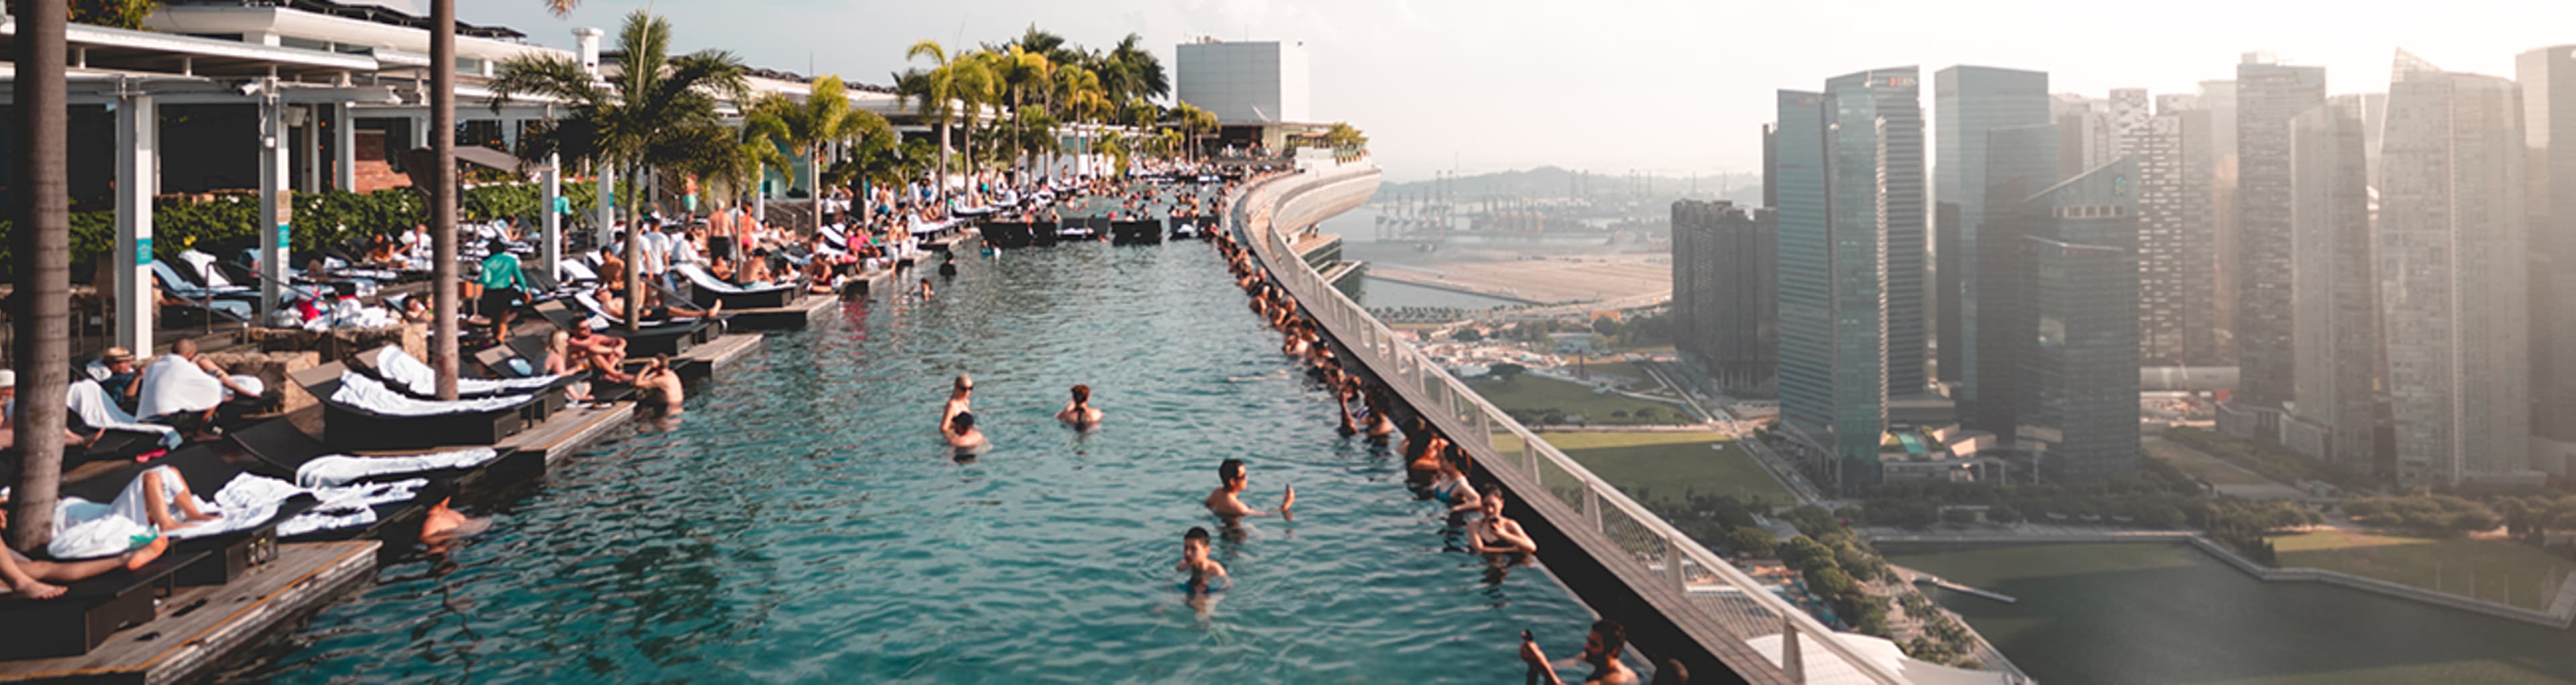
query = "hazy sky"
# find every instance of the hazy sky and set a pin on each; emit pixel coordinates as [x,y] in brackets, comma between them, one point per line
[1674,86]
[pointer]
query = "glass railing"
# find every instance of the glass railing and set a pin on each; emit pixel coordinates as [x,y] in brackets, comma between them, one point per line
[1745,607]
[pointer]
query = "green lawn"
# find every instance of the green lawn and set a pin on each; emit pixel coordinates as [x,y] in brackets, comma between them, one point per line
[1527,396]
[2503,571]
[1608,368]
[1664,466]
[2208,468]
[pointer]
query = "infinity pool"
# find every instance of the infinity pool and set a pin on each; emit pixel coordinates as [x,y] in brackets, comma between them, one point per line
[801,521]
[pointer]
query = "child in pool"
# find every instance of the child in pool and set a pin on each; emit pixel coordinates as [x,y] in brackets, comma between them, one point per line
[1206,576]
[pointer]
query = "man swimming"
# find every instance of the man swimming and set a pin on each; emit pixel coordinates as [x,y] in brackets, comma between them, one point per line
[1600,650]
[1226,502]
[1079,413]
[1206,575]
[962,436]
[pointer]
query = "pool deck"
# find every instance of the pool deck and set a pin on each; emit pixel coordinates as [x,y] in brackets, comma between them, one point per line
[793,317]
[200,627]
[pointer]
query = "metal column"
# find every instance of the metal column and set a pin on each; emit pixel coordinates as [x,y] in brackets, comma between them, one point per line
[344,148]
[550,250]
[276,202]
[312,158]
[607,201]
[138,177]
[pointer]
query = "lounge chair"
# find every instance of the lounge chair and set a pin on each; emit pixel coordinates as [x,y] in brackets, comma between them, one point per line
[360,413]
[707,290]
[287,453]
[223,556]
[88,612]
[409,376]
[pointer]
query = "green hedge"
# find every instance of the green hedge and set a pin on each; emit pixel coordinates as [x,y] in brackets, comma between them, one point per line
[326,218]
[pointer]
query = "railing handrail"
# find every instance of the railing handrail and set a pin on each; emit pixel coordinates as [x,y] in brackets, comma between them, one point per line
[1336,309]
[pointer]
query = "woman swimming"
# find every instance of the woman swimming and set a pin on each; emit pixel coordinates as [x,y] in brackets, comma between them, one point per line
[1450,485]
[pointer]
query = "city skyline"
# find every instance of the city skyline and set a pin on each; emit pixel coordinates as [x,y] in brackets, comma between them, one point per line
[1425,124]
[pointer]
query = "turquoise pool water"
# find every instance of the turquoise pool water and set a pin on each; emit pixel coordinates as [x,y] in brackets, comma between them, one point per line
[802,523]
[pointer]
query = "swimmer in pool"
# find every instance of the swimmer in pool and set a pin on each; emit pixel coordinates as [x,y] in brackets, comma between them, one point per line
[1600,651]
[1206,576]
[1226,502]
[961,398]
[1450,487]
[1079,413]
[1500,539]
[962,435]
[925,288]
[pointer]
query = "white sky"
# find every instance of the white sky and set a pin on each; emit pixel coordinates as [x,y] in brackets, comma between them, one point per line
[1671,86]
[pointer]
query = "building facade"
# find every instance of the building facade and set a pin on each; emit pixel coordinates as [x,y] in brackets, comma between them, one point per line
[2079,365]
[2452,239]
[2334,293]
[2268,96]
[2022,163]
[1879,179]
[1723,299]
[1968,102]
[2176,253]
[1244,81]
[1832,294]
[2548,80]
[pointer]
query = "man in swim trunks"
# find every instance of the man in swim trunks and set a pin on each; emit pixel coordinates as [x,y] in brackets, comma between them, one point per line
[1600,650]
[1079,413]
[659,384]
[962,435]
[1226,501]
[600,353]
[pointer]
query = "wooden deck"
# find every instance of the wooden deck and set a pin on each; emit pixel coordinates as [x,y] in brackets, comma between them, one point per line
[704,360]
[789,318]
[564,433]
[200,626]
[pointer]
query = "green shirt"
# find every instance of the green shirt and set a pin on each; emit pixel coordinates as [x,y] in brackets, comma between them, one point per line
[501,270]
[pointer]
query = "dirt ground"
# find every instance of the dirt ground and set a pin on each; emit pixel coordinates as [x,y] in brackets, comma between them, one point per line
[1545,280]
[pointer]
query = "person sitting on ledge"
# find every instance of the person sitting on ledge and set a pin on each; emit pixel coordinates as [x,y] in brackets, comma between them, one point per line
[600,353]
[33,579]
[1079,413]
[1600,650]
[1226,501]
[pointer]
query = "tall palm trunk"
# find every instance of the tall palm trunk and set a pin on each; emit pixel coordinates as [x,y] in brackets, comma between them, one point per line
[814,181]
[442,194]
[942,190]
[42,260]
[634,256]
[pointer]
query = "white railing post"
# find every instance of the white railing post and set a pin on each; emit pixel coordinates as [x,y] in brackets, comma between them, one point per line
[1592,509]
[1793,662]
[1529,455]
[1673,562]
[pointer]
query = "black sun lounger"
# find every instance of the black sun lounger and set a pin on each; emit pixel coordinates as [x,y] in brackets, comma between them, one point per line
[88,611]
[550,397]
[672,338]
[706,290]
[363,428]
[222,557]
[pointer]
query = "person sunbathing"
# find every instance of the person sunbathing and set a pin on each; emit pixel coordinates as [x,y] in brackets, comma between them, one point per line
[34,579]
[610,300]
[1226,501]
[1079,412]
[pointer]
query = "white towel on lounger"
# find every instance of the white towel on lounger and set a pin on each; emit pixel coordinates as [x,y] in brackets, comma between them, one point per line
[358,390]
[399,366]
[341,469]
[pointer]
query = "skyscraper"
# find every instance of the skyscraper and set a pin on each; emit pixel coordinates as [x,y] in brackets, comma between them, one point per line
[2079,364]
[2021,162]
[2219,99]
[1723,279]
[1878,168]
[2128,117]
[1968,102]
[2452,238]
[2176,258]
[2334,293]
[2083,132]
[2548,80]
[2268,95]
[1849,164]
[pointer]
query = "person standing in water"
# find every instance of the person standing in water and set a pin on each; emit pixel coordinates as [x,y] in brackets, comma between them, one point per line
[1226,501]
[1600,650]
[963,438]
[1079,413]
[961,399]
[1206,576]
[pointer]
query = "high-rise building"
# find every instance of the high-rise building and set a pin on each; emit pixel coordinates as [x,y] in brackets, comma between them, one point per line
[2334,292]
[2268,95]
[1879,156]
[1244,81]
[2548,80]
[2451,259]
[2021,162]
[2079,364]
[1969,101]
[2128,117]
[2176,220]
[2219,99]
[1849,165]
[2084,136]
[1723,279]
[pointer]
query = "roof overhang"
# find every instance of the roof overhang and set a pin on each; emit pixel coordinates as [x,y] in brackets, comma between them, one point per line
[111,49]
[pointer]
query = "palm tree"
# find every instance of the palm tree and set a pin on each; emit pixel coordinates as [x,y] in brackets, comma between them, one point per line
[939,92]
[1079,96]
[41,257]
[806,128]
[1132,72]
[1194,121]
[1019,72]
[659,112]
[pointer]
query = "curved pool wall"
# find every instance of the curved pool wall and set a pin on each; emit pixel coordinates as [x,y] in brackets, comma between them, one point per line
[801,523]
[1679,600]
